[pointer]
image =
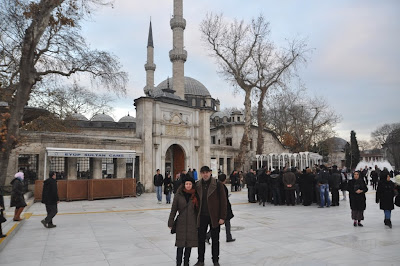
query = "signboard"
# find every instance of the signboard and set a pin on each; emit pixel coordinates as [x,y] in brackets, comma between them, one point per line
[91,153]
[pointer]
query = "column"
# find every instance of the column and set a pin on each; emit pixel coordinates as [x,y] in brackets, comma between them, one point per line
[72,170]
[96,166]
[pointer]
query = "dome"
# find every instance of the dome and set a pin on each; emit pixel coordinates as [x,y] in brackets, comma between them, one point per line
[78,117]
[192,87]
[102,118]
[127,119]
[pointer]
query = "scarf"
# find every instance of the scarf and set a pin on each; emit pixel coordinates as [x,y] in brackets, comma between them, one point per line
[193,197]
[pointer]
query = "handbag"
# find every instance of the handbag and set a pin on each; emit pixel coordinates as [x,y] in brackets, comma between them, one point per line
[2,218]
[397,201]
[173,228]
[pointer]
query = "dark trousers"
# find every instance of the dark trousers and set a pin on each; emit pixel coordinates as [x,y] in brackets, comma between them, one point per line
[290,198]
[335,196]
[250,193]
[179,255]
[205,221]
[276,194]
[263,188]
[51,212]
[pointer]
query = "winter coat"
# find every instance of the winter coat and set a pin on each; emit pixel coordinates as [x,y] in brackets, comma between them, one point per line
[158,180]
[308,182]
[275,181]
[229,213]
[176,184]
[251,179]
[186,225]
[335,180]
[216,201]
[289,178]
[167,185]
[50,192]
[17,194]
[385,195]
[357,201]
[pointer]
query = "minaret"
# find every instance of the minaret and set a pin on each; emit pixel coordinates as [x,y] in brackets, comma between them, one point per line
[178,55]
[150,67]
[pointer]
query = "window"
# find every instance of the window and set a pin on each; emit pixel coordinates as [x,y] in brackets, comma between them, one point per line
[83,168]
[238,118]
[233,119]
[212,139]
[129,167]
[57,164]
[229,141]
[107,167]
[29,164]
[219,142]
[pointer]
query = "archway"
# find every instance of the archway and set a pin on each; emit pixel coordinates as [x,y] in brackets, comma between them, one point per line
[175,160]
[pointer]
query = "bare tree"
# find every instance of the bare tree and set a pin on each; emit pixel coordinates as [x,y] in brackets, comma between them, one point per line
[298,121]
[275,67]
[380,135]
[388,137]
[233,46]
[39,40]
[67,100]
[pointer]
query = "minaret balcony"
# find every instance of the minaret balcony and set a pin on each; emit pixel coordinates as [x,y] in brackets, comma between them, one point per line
[150,67]
[178,54]
[178,22]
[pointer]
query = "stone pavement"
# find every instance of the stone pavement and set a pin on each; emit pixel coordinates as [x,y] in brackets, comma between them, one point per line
[133,231]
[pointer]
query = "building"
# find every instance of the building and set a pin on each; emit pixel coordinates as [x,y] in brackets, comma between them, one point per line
[177,126]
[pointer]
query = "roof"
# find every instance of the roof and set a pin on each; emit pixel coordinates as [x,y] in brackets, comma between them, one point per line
[78,116]
[192,87]
[102,118]
[127,119]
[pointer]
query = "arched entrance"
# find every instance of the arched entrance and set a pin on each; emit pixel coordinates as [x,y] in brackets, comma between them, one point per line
[175,160]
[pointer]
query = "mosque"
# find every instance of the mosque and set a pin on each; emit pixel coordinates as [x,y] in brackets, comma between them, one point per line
[178,125]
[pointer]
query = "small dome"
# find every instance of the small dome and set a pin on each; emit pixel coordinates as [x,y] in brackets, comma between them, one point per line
[192,87]
[102,118]
[127,119]
[78,117]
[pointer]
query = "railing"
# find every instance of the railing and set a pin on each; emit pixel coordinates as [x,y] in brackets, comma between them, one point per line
[91,189]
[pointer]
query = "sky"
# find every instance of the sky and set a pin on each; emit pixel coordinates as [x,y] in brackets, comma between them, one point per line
[355,64]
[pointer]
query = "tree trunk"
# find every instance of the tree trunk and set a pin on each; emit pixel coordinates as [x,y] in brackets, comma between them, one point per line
[261,123]
[244,143]
[27,80]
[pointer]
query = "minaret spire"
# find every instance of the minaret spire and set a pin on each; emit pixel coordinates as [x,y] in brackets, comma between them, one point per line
[178,54]
[150,67]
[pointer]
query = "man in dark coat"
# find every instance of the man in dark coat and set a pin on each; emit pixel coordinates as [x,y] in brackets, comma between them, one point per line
[50,198]
[158,182]
[289,182]
[334,184]
[213,212]
[251,182]
[229,213]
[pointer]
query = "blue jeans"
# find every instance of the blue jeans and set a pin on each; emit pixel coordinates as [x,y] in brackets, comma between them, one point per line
[324,194]
[159,192]
[168,196]
[388,214]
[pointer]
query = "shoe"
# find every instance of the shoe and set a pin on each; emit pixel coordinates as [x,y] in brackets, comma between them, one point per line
[354,224]
[263,204]
[2,236]
[231,240]
[199,263]
[359,224]
[51,225]
[44,223]
[208,241]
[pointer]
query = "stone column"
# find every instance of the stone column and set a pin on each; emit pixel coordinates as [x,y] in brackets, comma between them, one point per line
[72,170]
[121,168]
[96,165]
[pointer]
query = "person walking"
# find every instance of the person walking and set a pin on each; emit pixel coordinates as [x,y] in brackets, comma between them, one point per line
[251,182]
[17,195]
[357,189]
[384,196]
[186,203]
[168,187]
[50,198]
[2,218]
[158,182]
[212,212]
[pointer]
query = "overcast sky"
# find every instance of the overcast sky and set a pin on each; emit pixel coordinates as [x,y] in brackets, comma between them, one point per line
[355,65]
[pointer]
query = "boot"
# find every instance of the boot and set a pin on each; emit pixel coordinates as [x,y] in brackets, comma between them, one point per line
[389,223]
[386,221]
[1,232]
[15,214]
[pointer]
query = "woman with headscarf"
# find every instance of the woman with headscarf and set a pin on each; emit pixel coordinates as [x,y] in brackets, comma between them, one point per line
[357,189]
[384,196]
[186,203]
[17,195]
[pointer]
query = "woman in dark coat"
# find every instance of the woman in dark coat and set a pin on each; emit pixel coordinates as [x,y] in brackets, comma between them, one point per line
[357,189]
[17,195]
[308,183]
[186,202]
[384,196]
[168,187]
